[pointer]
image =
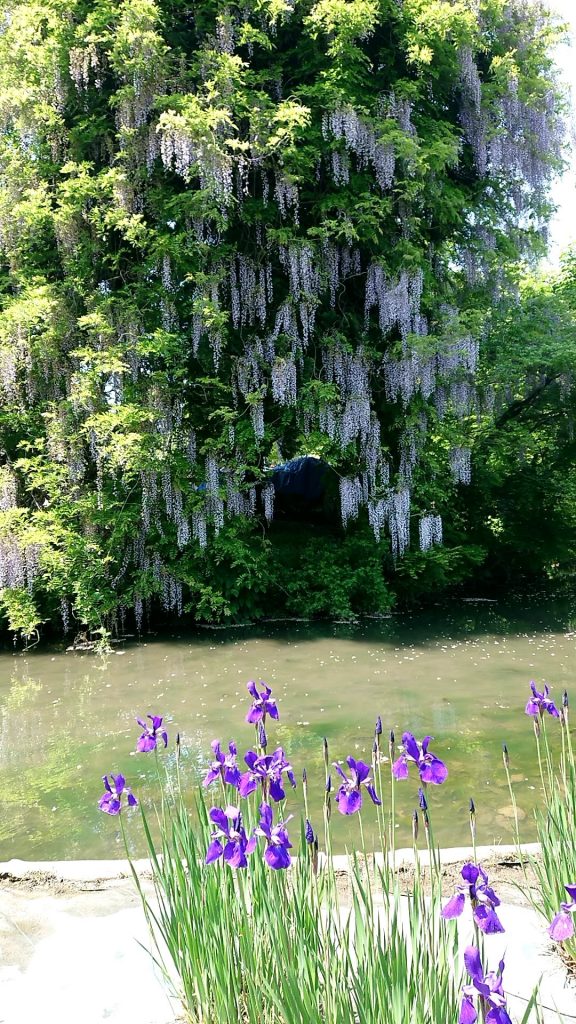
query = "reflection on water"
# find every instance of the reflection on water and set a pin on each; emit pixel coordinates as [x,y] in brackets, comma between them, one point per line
[462,676]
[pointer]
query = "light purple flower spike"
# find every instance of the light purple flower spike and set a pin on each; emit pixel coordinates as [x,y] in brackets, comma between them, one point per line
[224,765]
[111,801]
[540,702]
[229,840]
[349,796]
[431,768]
[482,898]
[488,987]
[277,839]
[562,925]
[263,704]
[149,738]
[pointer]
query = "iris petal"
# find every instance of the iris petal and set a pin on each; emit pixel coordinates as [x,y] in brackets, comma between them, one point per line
[468,1014]
[400,768]
[561,927]
[348,801]
[454,907]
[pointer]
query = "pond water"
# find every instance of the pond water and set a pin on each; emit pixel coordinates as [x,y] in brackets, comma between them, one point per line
[461,675]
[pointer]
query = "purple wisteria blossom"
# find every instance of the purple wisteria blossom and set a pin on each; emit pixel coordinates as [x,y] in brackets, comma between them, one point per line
[349,796]
[540,702]
[111,801]
[224,765]
[149,738]
[562,926]
[488,990]
[482,897]
[262,704]
[431,768]
[266,771]
[277,839]
[229,840]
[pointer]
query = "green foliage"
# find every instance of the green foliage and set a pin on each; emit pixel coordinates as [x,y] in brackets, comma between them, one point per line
[21,612]
[328,575]
[154,165]
[522,503]
[437,571]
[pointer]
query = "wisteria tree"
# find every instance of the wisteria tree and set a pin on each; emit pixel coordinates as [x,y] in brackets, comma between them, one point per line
[234,233]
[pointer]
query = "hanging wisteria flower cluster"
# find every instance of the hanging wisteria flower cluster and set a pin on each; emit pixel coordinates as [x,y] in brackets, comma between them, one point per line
[360,138]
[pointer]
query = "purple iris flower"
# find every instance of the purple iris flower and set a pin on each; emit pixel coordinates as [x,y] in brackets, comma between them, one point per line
[266,771]
[262,704]
[482,897]
[487,987]
[349,796]
[111,801]
[431,768]
[224,765]
[149,738]
[540,702]
[277,838]
[229,840]
[562,926]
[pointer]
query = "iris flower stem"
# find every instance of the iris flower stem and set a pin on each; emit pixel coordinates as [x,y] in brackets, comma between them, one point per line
[381,817]
[549,765]
[473,834]
[158,776]
[541,770]
[393,820]
[433,852]
[516,822]
[380,810]
[569,739]
[361,827]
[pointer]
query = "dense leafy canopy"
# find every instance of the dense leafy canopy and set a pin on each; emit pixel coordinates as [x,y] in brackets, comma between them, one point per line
[234,233]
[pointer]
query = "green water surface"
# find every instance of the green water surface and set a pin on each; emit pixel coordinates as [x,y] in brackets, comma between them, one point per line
[461,675]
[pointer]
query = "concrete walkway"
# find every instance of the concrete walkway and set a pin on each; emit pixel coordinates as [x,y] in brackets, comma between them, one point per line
[70,953]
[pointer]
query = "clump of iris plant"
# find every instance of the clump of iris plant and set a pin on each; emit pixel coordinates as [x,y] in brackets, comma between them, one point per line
[266,771]
[277,839]
[430,767]
[262,705]
[562,925]
[482,897]
[224,765]
[540,702]
[111,800]
[149,738]
[349,796]
[229,839]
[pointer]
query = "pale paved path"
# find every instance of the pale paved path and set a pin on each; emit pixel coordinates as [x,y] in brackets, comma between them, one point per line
[74,957]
